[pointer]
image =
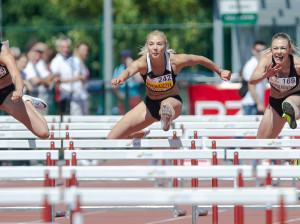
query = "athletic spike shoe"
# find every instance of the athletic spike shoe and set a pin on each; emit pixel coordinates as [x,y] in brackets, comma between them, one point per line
[166,115]
[36,102]
[289,114]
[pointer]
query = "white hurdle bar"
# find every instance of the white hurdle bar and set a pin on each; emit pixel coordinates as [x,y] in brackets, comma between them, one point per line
[91,118]
[14,134]
[97,126]
[218,118]
[132,143]
[251,143]
[82,198]
[45,197]
[69,172]
[46,155]
[217,125]
[21,127]
[69,134]
[48,118]
[242,132]
[31,143]
[31,173]
[143,154]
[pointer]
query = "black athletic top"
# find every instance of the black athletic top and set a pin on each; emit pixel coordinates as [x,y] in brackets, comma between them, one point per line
[3,70]
[285,84]
[163,82]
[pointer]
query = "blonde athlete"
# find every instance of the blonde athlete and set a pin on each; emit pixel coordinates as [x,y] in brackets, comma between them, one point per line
[158,66]
[281,67]
[11,93]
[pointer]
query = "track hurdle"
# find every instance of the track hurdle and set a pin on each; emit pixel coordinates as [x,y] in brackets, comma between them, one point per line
[269,172]
[50,156]
[218,118]
[44,197]
[75,174]
[88,134]
[74,155]
[78,198]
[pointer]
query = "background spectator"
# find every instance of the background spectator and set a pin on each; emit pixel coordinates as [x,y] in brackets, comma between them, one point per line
[131,88]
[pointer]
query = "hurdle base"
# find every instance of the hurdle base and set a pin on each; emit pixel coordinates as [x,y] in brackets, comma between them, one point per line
[178,213]
[201,212]
[60,214]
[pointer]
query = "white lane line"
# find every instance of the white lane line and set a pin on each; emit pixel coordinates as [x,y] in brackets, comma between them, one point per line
[179,218]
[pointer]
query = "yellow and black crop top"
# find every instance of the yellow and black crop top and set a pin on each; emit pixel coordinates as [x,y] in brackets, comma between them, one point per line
[3,70]
[163,82]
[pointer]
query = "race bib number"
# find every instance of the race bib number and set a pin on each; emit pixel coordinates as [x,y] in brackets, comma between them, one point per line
[3,71]
[283,84]
[160,83]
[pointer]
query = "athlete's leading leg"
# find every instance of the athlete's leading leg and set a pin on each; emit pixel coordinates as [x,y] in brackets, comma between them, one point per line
[132,123]
[28,115]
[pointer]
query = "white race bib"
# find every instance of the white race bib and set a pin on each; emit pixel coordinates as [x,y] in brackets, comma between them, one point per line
[283,84]
[160,83]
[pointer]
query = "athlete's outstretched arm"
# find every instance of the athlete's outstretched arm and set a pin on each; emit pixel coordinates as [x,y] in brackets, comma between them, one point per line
[183,60]
[134,68]
[264,70]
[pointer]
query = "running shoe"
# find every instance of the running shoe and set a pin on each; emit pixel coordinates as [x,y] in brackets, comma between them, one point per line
[295,162]
[166,114]
[36,102]
[289,114]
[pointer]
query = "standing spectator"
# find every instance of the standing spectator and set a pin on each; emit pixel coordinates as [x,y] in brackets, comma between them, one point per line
[44,92]
[131,88]
[32,75]
[63,64]
[253,101]
[80,97]
[21,63]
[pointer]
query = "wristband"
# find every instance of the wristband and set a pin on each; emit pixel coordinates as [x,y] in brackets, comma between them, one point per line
[220,71]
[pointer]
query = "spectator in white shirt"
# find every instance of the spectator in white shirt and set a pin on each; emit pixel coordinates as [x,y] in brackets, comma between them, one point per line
[80,97]
[63,64]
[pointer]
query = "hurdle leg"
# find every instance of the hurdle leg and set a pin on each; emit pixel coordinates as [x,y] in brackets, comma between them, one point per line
[281,212]
[269,206]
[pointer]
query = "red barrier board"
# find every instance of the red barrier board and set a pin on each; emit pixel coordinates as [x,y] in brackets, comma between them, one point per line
[216,99]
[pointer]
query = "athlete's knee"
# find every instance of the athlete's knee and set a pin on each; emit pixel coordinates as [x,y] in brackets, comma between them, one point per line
[44,134]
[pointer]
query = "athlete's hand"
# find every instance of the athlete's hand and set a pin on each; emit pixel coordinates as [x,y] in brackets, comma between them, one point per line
[271,71]
[116,81]
[17,94]
[225,75]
